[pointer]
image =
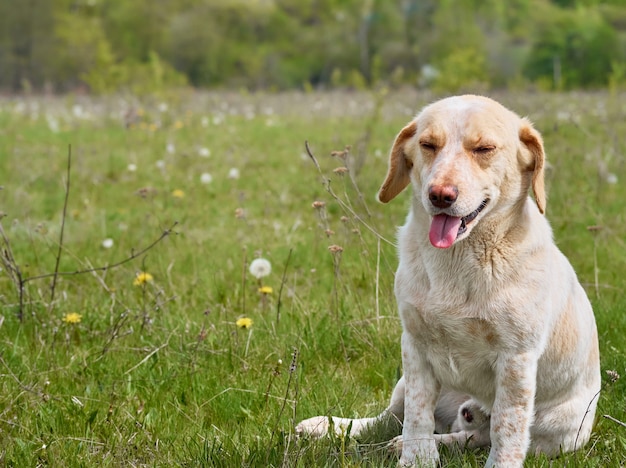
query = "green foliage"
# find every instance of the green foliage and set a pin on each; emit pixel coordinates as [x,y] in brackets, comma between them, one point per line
[462,69]
[109,45]
[576,49]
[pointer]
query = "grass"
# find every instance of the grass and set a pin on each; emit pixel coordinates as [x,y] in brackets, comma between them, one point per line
[159,374]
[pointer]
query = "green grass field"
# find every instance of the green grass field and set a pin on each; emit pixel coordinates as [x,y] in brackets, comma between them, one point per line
[156,370]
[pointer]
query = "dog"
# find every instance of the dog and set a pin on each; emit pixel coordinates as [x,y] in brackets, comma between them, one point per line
[499,341]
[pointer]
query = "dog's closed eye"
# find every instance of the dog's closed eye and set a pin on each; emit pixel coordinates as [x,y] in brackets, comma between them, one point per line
[484,150]
[428,146]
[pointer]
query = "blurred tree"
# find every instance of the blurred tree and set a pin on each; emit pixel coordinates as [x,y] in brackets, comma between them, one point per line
[25,48]
[116,44]
[575,49]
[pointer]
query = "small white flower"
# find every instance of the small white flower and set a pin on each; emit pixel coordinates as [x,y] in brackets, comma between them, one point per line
[107,243]
[233,173]
[204,152]
[132,167]
[170,148]
[206,178]
[160,164]
[77,110]
[611,178]
[53,124]
[163,107]
[260,268]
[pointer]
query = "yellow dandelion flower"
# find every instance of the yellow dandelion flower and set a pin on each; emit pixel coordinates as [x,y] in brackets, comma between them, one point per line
[178,125]
[266,290]
[142,278]
[178,193]
[72,317]
[244,322]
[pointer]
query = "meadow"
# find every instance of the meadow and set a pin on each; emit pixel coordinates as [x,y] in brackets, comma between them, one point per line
[132,331]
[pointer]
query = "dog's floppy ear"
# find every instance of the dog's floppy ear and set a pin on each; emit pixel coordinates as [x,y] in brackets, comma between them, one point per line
[534,143]
[398,175]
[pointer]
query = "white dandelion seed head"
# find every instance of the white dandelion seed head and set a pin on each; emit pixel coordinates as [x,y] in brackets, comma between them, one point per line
[53,124]
[170,148]
[204,152]
[233,173]
[132,167]
[611,178]
[107,243]
[260,268]
[163,107]
[160,164]
[206,178]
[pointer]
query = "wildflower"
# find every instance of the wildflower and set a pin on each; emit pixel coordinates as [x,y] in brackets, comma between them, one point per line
[340,170]
[266,290]
[132,167]
[178,125]
[72,318]
[335,248]
[206,178]
[341,154]
[240,213]
[204,121]
[170,148]
[142,278]
[244,322]
[160,164]
[260,268]
[178,193]
[614,376]
[318,204]
[204,152]
[233,173]
[163,107]
[107,243]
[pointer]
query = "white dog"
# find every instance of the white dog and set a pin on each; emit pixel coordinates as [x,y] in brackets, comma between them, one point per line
[499,342]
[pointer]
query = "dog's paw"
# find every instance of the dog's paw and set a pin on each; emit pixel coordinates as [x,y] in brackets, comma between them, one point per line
[315,427]
[470,416]
[423,454]
[395,445]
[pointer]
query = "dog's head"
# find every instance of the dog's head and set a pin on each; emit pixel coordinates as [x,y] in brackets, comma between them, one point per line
[468,157]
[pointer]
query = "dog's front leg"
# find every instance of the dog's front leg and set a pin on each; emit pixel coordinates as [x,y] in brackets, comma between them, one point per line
[420,397]
[513,410]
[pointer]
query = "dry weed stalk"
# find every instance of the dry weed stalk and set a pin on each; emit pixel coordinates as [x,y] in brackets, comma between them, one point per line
[14,272]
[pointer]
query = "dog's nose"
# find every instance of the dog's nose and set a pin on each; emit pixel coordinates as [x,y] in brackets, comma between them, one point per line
[442,196]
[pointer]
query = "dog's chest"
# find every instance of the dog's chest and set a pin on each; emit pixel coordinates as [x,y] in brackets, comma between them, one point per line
[461,351]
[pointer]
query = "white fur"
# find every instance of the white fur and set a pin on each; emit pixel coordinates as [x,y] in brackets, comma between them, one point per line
[496,328]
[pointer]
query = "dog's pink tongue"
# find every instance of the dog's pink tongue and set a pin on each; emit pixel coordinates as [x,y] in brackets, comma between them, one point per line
[443,230]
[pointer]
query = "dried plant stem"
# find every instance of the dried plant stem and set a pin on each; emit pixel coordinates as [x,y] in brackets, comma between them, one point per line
[344,205]
[14,272]
[282,284]
[130,258]
[377,281]
[611,418]
[55,275]
[292,370]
